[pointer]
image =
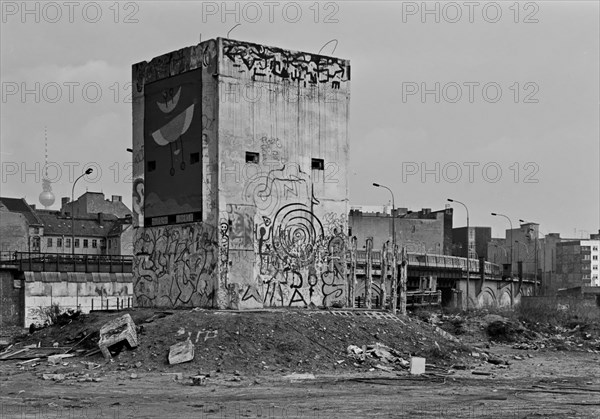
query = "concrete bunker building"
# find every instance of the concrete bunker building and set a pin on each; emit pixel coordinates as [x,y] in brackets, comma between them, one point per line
[240,186]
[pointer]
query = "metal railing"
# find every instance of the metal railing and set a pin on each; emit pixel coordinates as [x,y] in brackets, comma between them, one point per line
[436,261]
[62,262]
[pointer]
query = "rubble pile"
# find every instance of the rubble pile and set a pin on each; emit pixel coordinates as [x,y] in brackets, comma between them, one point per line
[376,353]
[577,338]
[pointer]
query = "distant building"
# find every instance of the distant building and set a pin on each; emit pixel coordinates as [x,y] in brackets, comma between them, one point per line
[423,231]
[20,227]
[577,263]
[24,228]
[103,234]
[521,250]
[94,203]
[476,241]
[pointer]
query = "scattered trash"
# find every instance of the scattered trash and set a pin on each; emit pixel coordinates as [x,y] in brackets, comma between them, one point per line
[54,377]
[384,368]
[199,380]
[56,359]
[417,365]
[378,352]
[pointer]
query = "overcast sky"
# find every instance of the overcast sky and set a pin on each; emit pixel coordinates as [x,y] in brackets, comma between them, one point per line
[518,91]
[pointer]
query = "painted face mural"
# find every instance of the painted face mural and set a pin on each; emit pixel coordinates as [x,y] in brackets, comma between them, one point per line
[173,149]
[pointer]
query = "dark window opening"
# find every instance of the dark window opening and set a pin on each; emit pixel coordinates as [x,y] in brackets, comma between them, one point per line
[194,158]
[317,164]
[252,157]
[151,166]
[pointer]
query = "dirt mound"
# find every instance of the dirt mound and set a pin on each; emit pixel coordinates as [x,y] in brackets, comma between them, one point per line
[253,342]
[505,331]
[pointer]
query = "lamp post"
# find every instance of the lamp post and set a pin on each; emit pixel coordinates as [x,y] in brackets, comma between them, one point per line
[395,265]
[511,240]
[377,185]
[468,248]
[87,172]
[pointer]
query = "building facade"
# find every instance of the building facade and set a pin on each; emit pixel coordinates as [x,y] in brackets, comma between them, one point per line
[578,263]
[422,231]
[20,228]
[95,203]
[24,228]
[240,186]
[472,242]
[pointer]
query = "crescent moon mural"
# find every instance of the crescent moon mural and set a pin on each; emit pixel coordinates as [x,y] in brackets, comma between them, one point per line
[174,128]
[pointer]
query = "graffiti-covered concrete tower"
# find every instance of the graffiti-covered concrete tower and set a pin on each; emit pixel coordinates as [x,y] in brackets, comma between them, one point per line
[240,159]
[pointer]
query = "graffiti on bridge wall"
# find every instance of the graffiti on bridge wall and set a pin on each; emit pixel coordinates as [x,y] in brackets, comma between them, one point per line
[175,266]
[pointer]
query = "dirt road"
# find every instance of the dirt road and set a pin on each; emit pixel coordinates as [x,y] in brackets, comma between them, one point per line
[553,384]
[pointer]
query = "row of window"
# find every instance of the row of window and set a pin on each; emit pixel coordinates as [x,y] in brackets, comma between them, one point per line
[251,157]
[194,159]
[86,242]
[315,164]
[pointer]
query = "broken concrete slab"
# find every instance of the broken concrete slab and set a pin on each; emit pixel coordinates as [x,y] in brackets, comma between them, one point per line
[417,365]
[54,377]
[57,359]
[121,329]
[384,368]
[299,376]
[181,352]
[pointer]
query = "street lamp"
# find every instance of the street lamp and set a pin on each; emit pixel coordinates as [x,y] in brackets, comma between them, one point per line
[468,248]
[87,172]
[377,185]
[395,267]
[511,240]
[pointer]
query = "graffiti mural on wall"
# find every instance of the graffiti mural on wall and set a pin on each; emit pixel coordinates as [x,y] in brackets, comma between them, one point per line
[297,263]
[175,266]
[172,149]
[266,191]
[311,69]
[241,219]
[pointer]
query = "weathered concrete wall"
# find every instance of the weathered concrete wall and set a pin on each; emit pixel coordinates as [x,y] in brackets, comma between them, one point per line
[14,231]
[417,235]
[283,221]
[11,299]
[176,265]
[73,290]
[273,232]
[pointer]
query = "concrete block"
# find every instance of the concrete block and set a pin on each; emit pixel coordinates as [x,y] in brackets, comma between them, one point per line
[57,359]
[181,352]
[115,331]
[417,365]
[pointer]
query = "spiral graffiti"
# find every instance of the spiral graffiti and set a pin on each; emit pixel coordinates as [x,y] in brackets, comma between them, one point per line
[297,234]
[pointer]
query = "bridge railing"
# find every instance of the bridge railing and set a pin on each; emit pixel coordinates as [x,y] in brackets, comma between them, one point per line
[64,262]
[435,261]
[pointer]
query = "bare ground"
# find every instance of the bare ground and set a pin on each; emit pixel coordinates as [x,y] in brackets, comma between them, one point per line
[252,356]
